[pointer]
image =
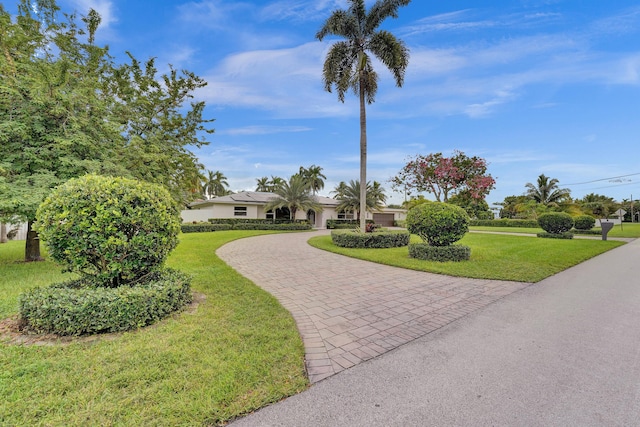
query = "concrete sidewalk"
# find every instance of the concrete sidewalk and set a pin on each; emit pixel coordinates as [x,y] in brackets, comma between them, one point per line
[563,352]
[348,310]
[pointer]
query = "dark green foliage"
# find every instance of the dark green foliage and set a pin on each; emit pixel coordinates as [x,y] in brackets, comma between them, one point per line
[504,222]
[234,221]
[584,222]
[78,307]
[203,227]
[439,253]
[115,230]
[563,235]
[267,226]
[587,232]
[378,239]
[555,222]
[438,224]
[345,223]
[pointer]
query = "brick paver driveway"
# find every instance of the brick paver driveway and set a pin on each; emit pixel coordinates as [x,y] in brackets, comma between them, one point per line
[348,310]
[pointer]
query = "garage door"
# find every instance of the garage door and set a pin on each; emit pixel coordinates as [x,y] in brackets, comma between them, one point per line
[384,219]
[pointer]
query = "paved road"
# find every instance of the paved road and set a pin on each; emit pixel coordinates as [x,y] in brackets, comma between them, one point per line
[347,310]
[563,352]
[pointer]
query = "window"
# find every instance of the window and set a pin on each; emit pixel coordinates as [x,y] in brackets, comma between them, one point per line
[345,215]
[269,215]
[239,211]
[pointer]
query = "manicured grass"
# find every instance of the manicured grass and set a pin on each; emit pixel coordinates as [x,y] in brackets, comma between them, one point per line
[503,257]
[627,230]
[237,352]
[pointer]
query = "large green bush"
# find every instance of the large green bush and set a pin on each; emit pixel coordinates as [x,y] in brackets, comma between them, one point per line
[204,227]
[377,239]
[79,307]
[114,230]
[584,222]
[438,224]
[555,222]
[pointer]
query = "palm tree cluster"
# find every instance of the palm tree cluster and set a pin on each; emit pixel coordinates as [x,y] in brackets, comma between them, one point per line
[295,195]
[215,185]
[269,185]
[349,197]
[349,66]
[546,191]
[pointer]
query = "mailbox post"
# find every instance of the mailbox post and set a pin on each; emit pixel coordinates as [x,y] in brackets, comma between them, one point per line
[606,227]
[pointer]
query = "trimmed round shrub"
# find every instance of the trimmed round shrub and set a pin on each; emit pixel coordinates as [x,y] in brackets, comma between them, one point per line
[79,307]
[377,239]
[438,224]
[555,222]
[115,230]
[439,253]
[584,222]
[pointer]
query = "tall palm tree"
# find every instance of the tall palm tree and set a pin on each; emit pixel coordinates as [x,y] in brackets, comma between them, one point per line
[348,64]
[263,184]
[314,177]
[294,194]
[216,184]
[349,198]
[340,190]
[546,191]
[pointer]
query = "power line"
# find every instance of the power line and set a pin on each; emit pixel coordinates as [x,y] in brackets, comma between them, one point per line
[603,179]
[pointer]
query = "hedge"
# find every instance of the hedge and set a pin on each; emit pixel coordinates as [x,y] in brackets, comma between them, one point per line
[234,221]
[588,232]
[439,253]
[78,308]
[206,227]
[203,227]
[336,224]
[378,239]
[563,235]
[504,222]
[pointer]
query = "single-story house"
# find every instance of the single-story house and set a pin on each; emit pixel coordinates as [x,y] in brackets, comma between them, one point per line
[250,205]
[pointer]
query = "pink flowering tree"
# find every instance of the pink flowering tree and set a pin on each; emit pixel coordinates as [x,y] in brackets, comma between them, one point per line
[445,176]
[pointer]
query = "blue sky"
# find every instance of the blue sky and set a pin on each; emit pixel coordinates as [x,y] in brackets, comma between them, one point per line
[533,86]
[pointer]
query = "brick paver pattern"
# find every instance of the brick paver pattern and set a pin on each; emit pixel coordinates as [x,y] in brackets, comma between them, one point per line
[348,310]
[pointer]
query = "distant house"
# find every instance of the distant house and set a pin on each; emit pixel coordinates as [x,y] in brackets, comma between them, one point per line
[250,205]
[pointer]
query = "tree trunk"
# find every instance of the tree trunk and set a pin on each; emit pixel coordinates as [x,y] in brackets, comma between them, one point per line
[363,159]
[32,245]
[3,233]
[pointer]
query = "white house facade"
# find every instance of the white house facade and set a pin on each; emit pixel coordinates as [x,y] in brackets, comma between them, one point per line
[250,205]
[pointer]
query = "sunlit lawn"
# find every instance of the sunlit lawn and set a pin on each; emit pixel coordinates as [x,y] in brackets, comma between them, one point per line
[503,257]
[626,230]
[237,352]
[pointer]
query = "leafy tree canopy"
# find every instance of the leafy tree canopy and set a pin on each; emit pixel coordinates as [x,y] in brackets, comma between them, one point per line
[67,109]
[443,176]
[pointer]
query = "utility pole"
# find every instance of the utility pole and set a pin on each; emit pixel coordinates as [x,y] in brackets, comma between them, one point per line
[632,209]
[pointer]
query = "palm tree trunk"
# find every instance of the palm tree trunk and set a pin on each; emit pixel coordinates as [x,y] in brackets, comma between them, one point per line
[363,158]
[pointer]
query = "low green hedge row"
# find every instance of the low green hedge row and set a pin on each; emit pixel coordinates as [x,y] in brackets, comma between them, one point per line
[378,239]
[589,232]
[504,222]
[203,227]
[234,221]
[336,224]
[563,235]
[267,226]
[439,253]
[78,308]
[206,227]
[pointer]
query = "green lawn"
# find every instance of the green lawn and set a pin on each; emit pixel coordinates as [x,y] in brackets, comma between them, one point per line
[237,352]
[503,257]
[626,230]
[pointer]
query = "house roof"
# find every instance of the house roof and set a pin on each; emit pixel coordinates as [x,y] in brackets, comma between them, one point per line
[252,198]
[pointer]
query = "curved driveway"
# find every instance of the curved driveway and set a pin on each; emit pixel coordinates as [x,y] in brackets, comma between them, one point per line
[348,310]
